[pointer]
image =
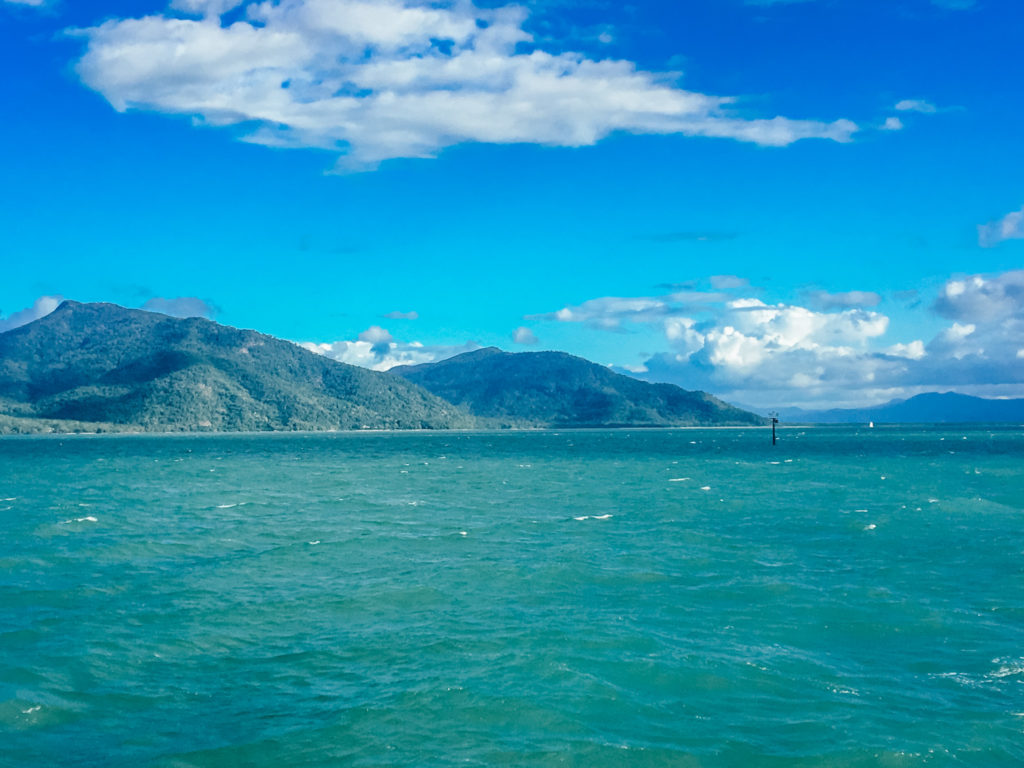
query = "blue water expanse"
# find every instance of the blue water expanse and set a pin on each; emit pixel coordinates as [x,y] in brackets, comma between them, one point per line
[851,597]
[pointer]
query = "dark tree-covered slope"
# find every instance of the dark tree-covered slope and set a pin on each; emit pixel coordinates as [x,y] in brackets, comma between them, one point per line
[104,364]
[559,390]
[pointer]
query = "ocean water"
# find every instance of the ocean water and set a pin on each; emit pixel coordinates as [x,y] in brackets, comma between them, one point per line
[850,597]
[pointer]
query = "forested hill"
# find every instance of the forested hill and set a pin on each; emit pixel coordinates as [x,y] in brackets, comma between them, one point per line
[101,366]
[555,389]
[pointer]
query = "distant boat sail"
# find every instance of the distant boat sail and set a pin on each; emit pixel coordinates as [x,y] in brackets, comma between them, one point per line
[871,425]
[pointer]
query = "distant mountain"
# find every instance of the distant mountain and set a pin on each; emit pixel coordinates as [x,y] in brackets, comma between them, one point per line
[554,389]
[933,407]
[101,366]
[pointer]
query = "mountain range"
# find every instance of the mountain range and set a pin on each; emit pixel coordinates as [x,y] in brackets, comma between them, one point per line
[101,367]
[928,408]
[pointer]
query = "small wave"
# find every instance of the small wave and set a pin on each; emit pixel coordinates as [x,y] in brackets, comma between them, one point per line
[463,533]
[602,517]
[582,517]
[86,519]
[30,710]
[844,691]
[1008,668]
[705,487]
[226,506]
[12,498]
[870,527]
[314,543]
[678,479]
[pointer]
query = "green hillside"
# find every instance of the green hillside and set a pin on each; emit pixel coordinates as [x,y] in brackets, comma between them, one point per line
[101,366]
[555,389]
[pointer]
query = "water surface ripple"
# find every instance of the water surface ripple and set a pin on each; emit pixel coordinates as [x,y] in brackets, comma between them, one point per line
[591,598]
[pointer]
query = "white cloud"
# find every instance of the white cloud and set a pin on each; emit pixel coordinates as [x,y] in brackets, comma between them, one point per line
[402,315]
[396,78]
[375,348]
[34,3]
[612,312]
[206,8]
[609,312]
[834,353]
[523,335]
[983,298]
[682,333]
[41,307]
[892,124]
[916,105]
[376,335]
[1010,227]
[183,306]
[912,351]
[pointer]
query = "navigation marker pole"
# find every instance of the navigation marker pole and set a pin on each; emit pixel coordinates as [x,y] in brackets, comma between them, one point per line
[775,420]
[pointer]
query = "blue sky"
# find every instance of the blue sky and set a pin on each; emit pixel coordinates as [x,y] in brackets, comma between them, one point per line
[813,203]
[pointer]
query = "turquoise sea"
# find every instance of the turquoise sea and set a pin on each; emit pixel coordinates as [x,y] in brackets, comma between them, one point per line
[850,597]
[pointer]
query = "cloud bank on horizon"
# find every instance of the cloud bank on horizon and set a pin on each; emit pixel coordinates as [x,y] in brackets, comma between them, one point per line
[745,350]
[373,81]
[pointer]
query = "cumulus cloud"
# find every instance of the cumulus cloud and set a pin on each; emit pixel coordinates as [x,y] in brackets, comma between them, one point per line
[892,124]
[1010,227]
[377,349]
[402,315]
[183,306]
[41,307]
[396,79]
[523,335]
